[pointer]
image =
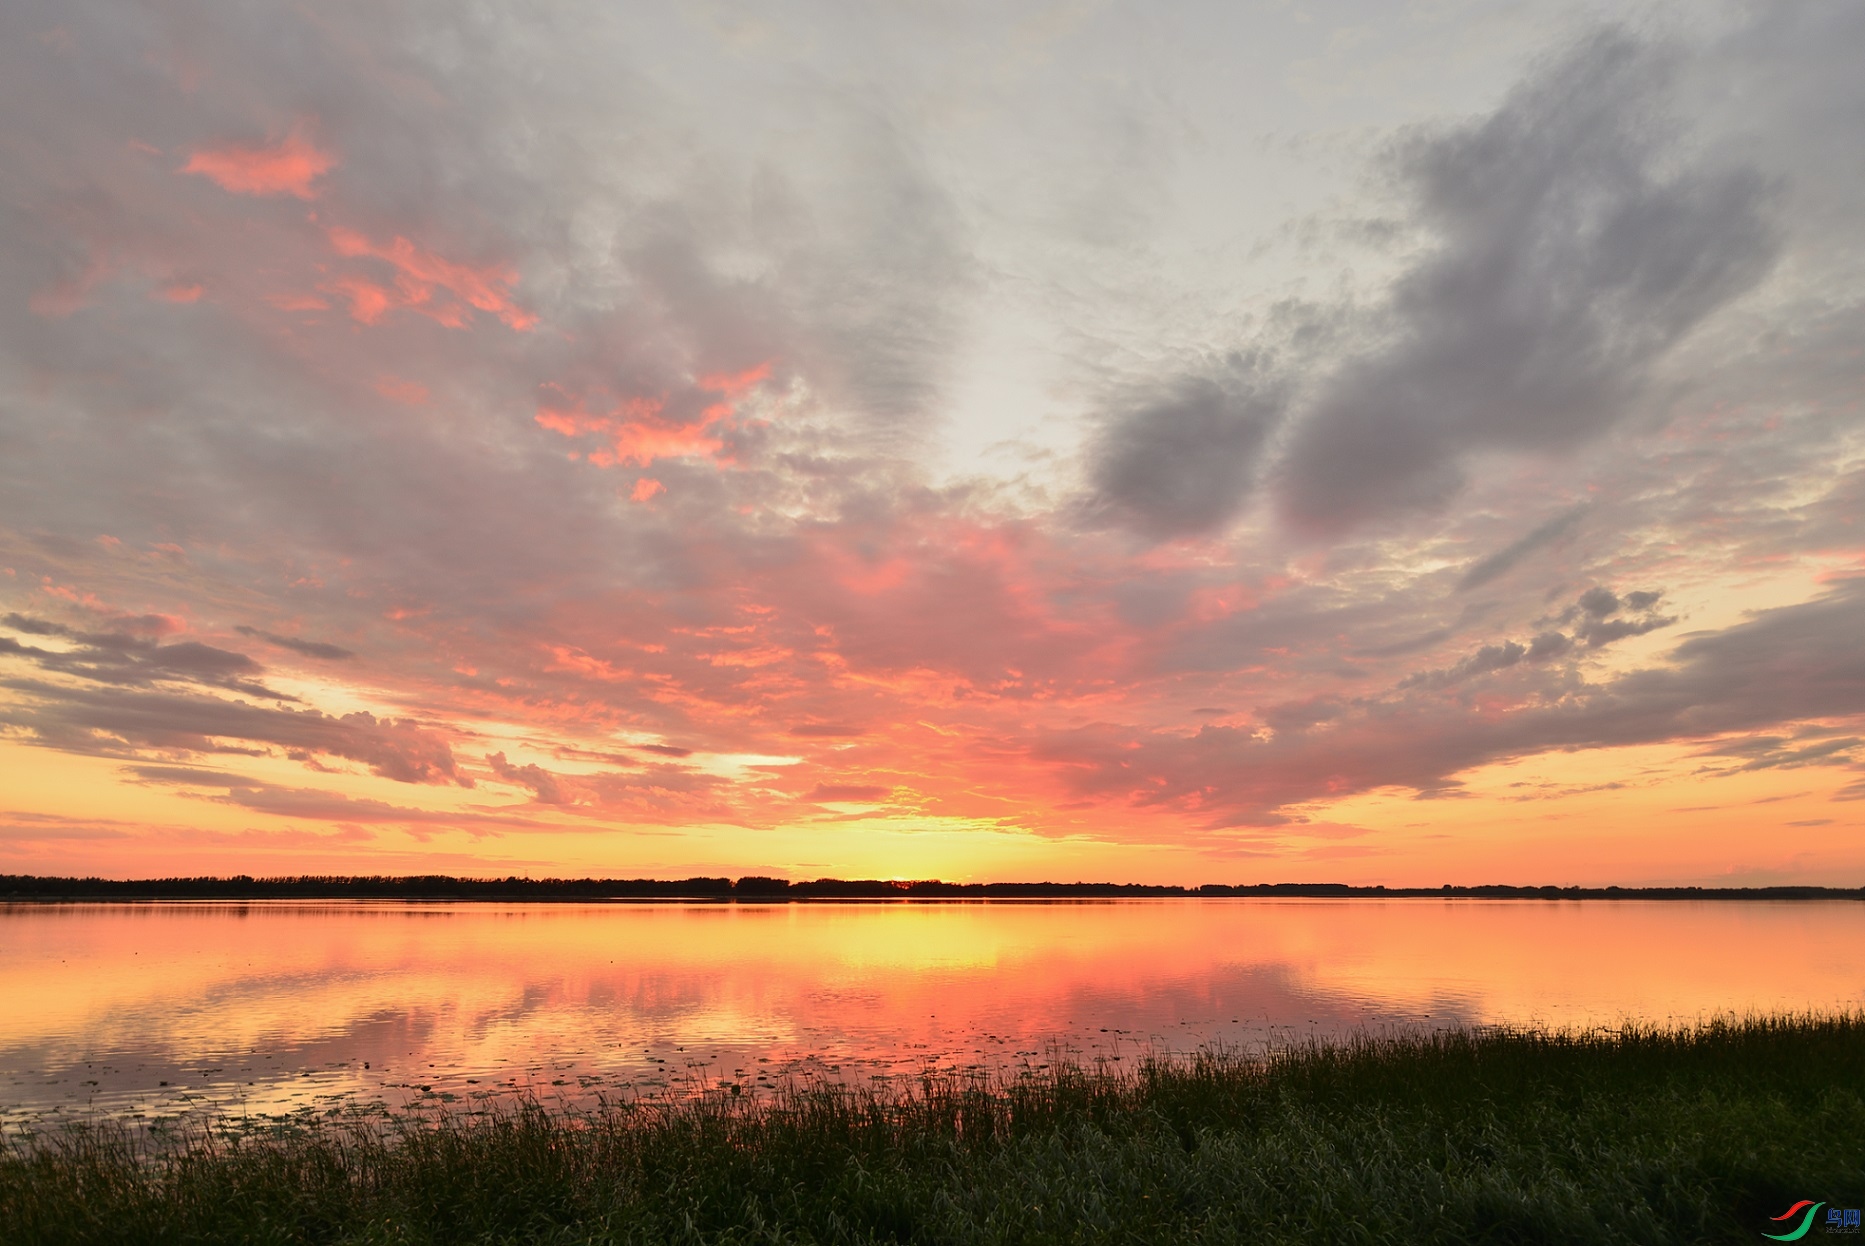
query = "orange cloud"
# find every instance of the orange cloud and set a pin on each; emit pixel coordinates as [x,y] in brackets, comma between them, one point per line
[419,274]
[640,431]
[647,488]
[732,384]
[368,301]
[288,167]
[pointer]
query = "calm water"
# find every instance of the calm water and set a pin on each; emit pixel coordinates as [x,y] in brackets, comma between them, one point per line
[156,1009]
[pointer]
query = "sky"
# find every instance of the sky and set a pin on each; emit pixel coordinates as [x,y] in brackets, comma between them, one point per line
[1386,443]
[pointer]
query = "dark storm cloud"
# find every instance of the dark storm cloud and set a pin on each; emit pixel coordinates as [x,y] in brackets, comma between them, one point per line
[1575,248]
[1182,460]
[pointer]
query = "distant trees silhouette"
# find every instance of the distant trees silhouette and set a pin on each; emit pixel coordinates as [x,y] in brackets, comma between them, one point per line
[758,888]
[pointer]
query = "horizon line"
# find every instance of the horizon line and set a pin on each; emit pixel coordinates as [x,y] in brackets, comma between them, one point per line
[767,888]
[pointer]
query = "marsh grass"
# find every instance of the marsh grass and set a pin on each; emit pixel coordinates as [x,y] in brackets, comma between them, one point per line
[1638,1135]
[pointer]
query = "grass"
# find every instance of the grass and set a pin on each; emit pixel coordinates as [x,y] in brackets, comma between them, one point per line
[1644,1135]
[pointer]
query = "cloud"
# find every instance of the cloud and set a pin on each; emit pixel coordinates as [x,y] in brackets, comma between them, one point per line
[287,167]
[1576,246]
[1594,609]
[1793,664]
[1181,460]
[859,793]
[1599,632]
[1780,753]
[1598,602]
[1504,560]
[1488,658]
[121,658]
[18,825]
[308,648]
[418,274]
[640,430]
[312,803]
[120,721]
[765,287]
[542,783]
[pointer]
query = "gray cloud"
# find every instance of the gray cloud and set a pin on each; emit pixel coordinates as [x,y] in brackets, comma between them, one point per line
[1598,602]
[1789,665]
[1593,614]
[1575,248]
[1182,460]
[1548,645]
[309,648]
[1504,560]
[120,658]
[1599,632]
[312,803]
[1543,647]
[1782,753]
[119,722]
[1488,658]
[542,783]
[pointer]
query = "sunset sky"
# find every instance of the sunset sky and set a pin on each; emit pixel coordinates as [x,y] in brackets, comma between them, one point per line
[1165,443]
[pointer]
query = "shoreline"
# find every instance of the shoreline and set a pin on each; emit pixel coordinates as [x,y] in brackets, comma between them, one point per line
[26,889]
[1700,1133]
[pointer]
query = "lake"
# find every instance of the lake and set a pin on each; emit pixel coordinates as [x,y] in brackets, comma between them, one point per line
[153,1010]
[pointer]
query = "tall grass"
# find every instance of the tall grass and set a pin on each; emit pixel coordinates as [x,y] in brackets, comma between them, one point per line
[1641,1135]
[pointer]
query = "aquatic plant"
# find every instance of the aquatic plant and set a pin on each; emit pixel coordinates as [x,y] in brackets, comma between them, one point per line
[1643,1134]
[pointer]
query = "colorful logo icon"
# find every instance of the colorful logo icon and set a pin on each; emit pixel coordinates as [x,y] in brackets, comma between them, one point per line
[1807,1205]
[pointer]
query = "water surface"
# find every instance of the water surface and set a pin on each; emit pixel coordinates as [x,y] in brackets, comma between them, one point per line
[150,1010]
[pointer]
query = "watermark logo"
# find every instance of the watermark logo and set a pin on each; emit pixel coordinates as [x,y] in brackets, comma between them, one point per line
[1838,1220]
[1806,1205]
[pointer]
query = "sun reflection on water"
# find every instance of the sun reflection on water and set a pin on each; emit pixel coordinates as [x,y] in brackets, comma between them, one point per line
[147,1011]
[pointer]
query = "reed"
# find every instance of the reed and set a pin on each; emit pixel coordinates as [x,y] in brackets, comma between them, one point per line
[1637,1135]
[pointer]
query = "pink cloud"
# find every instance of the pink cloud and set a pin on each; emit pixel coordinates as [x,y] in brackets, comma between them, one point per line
[59,299]
[368,301]
[407,393]
[288,167]
[297,302]
[641,430]
[419,274]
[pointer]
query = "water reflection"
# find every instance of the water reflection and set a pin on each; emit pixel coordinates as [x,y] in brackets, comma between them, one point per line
[156,1009]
